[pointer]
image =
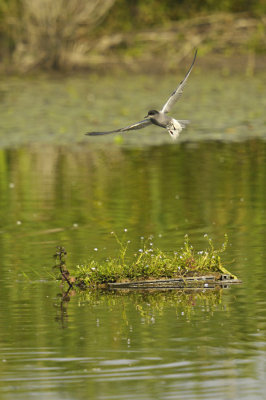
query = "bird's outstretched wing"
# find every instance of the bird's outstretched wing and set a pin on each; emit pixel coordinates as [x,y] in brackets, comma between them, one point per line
[137,125]
[179,90]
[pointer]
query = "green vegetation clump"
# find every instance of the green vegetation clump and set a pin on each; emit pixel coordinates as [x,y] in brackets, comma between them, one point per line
[129,15]
[151,263]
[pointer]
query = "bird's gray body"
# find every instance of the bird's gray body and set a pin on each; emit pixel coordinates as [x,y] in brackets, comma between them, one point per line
[160,118]
[173,126]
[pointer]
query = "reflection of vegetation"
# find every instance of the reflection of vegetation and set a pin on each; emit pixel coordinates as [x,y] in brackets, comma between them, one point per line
[149,263]
[170,194]
[151,304]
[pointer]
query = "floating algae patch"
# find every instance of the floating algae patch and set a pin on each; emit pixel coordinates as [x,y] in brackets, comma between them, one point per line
[150,268]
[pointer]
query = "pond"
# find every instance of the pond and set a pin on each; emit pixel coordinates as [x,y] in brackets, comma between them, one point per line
[59,187]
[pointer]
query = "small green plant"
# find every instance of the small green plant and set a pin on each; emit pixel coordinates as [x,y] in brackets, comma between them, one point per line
[151,263]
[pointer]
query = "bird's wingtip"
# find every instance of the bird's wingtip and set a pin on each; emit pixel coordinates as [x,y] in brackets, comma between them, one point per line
[91,133]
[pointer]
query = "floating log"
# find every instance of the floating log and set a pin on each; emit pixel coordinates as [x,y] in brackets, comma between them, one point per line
[209,281]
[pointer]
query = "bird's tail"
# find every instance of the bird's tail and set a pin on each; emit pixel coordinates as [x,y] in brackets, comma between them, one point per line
[183,122]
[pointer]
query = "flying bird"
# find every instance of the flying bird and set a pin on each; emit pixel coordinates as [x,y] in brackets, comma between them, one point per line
[160,118]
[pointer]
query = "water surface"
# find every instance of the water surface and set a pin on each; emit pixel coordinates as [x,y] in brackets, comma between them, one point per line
[59,188]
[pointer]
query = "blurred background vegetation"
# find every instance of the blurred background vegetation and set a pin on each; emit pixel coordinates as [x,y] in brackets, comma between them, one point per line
[129,33]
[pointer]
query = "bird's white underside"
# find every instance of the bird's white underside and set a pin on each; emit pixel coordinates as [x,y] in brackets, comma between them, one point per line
[174,128]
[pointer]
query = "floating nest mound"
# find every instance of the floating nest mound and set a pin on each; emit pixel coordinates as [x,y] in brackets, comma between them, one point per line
[150,268]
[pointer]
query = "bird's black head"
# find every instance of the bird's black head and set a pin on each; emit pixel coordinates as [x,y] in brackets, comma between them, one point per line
[152,112]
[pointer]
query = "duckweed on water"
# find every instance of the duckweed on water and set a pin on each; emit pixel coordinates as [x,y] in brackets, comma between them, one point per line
[151,263]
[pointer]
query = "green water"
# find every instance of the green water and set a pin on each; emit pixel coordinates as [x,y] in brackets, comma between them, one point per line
[58,187]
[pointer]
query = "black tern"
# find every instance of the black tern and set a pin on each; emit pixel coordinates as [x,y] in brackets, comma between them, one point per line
[160,118]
